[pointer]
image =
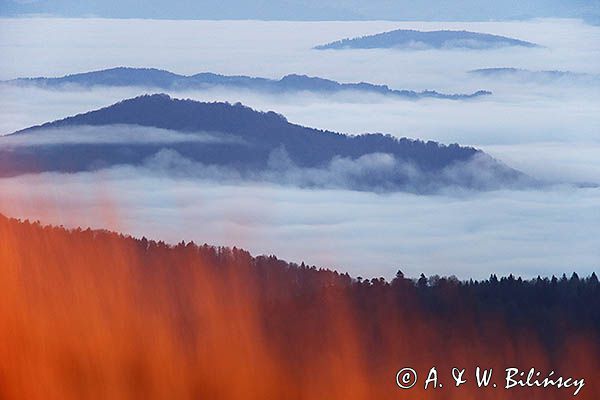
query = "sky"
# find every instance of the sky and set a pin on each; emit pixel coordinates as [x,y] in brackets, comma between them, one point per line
[547,128]
[464,10]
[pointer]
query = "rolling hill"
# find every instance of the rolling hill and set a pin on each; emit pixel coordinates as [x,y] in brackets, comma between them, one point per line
[409,39]
[248,143]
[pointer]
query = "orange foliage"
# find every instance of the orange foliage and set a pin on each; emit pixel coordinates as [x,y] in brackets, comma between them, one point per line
[95,315]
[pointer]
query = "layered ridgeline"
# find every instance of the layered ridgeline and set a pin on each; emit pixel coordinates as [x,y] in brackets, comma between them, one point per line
[413,39]
[160,79]
[236,142]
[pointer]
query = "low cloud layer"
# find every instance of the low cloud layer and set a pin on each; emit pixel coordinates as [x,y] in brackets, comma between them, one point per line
[470,234]
[111,134]
[375,172]
[553,161]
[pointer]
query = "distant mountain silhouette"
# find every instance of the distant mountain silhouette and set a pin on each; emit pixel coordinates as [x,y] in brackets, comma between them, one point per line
[165,80]
[266,145]
[539,76]
[413,39]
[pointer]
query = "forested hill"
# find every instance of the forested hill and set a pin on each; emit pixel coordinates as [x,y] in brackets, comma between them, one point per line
[413,39]
[142,308]
[249,140]
[562,303]
[165,80]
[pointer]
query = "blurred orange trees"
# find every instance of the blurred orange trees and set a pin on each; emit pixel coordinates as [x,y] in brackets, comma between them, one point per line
[92,314]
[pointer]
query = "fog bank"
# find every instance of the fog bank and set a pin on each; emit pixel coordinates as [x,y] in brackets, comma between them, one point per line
[470,234]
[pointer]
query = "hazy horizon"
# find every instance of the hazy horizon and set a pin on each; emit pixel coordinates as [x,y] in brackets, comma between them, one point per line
[466,10]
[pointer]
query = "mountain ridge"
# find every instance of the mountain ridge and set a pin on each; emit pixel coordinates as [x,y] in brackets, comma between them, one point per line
[291,83]
[268,144]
